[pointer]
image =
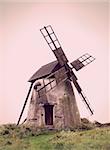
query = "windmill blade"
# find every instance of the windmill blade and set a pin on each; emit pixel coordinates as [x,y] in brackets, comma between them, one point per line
[25,103]
[61,76]
[40,93]
[46,87]
[82,61]
[54,44]
[87,103]
[84,98]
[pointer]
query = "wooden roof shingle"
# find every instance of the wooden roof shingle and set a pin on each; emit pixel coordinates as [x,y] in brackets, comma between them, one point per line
[44,71]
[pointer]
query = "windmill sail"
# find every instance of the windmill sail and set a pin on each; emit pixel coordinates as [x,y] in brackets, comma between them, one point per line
[61,73]
[46,87]
[82,61]
[86,101]
[84,98]
[54,44]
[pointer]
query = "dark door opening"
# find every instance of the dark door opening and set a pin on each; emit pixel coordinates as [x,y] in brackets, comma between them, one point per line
[48,114]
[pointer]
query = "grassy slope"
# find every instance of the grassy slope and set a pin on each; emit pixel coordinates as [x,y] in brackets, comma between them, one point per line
[95,139]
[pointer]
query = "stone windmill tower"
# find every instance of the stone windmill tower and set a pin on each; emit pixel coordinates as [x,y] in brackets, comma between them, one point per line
[53,102]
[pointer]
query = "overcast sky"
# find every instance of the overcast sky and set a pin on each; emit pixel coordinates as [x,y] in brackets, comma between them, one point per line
[81,28]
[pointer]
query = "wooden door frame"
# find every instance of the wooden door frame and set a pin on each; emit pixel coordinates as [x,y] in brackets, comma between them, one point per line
[48,109]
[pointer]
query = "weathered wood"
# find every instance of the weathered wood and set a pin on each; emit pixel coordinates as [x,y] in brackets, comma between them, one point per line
[24,104]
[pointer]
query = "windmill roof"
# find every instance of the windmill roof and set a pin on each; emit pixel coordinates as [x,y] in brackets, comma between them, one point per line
[44,71]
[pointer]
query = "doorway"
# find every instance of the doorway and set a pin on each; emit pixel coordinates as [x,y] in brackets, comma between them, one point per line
[48,114]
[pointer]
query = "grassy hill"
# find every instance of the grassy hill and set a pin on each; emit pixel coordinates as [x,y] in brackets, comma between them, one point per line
[25,138]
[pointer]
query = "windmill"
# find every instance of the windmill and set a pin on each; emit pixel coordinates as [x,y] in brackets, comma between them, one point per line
[53,101]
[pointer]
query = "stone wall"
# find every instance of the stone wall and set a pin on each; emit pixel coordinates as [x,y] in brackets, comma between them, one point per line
[65,110]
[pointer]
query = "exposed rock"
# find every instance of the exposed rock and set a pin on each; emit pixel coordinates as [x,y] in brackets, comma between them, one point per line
[85,120]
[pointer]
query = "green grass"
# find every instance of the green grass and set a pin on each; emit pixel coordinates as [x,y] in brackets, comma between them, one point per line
[96,139]
[23,138]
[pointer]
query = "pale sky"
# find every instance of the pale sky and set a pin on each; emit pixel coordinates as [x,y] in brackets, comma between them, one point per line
[80,27]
